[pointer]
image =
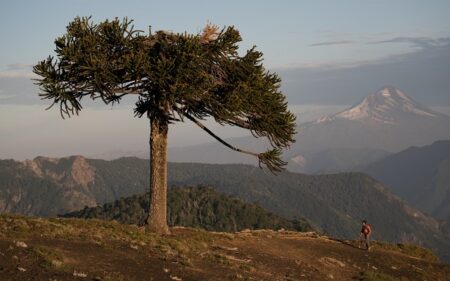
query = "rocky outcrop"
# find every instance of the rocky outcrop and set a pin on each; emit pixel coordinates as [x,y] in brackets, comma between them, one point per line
[78,172]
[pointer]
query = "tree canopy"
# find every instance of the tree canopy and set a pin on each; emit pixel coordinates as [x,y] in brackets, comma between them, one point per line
[174,76]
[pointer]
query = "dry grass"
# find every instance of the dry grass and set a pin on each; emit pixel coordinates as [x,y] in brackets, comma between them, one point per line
[409,249]
[61,245]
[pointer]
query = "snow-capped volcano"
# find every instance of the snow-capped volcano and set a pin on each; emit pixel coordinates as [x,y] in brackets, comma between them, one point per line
[383,122]
[385,106]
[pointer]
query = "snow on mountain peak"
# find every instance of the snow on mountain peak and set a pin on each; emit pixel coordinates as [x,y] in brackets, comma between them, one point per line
[391,95]
[384,106]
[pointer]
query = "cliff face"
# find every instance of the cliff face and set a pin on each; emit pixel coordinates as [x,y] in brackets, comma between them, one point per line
[70,171]
[46,186]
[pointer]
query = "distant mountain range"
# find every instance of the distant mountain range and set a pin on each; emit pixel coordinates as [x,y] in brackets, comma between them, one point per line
[384,122]
[419,175]
[387,120]
[334,204]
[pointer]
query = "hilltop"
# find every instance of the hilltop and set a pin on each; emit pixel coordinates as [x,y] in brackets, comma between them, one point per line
[76,249]
[199,207]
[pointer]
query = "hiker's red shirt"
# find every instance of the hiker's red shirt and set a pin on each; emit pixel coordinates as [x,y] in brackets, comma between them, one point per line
[366,229]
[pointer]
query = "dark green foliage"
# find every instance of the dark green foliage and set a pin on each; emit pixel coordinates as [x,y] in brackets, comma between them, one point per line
[200,207]
[174,76]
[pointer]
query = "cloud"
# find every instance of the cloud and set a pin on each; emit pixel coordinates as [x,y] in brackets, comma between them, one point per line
[331,65]
[329,43]
[418,42]
[327,31]
[6,97]
[18,70]
[19,66]
[17,74]
[422,44]
[422,73]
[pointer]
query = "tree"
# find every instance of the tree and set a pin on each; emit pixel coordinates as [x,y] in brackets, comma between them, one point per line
[175,77]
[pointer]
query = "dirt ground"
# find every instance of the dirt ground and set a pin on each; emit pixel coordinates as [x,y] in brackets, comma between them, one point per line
[37,249]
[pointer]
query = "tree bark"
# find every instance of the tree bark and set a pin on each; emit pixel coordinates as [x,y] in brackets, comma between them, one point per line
[157,213]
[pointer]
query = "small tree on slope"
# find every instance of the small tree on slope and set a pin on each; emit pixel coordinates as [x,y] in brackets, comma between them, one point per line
[174,77]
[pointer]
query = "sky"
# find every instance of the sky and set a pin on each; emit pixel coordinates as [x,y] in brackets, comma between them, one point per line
[329,54]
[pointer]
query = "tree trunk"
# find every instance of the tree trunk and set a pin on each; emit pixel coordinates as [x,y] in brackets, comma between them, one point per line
[157,213]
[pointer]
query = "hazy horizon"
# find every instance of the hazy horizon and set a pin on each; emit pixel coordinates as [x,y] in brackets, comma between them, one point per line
[325,60]
[94,123]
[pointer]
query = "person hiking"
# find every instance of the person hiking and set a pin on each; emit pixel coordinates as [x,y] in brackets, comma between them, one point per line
[366,230]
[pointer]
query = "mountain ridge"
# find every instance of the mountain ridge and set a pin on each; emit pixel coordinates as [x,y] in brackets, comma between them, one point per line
[333,203]
[387,120]
[420,175]
[388,100]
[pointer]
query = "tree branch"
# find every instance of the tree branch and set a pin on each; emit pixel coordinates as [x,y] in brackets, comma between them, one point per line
[218,138]
[271,158]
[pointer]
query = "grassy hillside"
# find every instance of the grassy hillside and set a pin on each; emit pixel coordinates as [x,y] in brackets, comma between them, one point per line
[334,204]
[77,249]
[198,207]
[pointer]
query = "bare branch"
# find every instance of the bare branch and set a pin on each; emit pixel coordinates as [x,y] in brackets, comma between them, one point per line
[270,158]
[218,138]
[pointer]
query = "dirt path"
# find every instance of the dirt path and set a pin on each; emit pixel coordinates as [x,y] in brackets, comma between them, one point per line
[189,254]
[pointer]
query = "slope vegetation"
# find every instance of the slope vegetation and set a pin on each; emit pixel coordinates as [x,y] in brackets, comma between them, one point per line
[198,207]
